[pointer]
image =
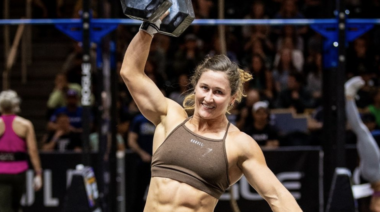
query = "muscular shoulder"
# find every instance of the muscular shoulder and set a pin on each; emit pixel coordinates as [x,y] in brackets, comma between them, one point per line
[244,145]
[22,122]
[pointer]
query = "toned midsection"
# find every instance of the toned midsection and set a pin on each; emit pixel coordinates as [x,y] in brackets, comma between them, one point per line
[167,195]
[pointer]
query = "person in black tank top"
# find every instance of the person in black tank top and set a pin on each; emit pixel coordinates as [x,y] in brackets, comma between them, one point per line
[196,159]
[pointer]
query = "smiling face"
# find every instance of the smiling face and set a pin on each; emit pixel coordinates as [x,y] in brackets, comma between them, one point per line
[212,95]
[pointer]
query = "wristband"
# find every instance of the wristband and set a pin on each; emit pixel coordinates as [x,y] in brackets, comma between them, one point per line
[151,27]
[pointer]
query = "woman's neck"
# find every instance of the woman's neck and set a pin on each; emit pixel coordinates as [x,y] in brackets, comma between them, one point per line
[202,124]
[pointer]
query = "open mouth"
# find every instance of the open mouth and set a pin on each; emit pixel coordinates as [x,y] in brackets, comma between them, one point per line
[208,107]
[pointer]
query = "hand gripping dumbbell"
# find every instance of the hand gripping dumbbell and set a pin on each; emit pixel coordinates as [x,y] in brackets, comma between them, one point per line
[180,17]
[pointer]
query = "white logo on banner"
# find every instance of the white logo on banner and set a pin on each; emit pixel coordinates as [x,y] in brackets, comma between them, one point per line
[291,181]
[86,84]
[49,200]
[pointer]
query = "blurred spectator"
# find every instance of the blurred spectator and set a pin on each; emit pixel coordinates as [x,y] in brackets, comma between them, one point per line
[314,125]
[72,66]
[63,138]
[202,32]
[371,9]
[374,108]
[47,8]
[360,59]
[188,56]
[289,10]
[260,34]
[355,8]
[179,95]
[314,78]
[256,48]
[72,110]
[245,108]
[263,79]
[313,9]
[94,139]
[124,37]
[364,96]
[314,44]
[257,11]
[204,8]
[289,31]
[297,55]
[218,50]
[369,120]
[295,96]
[165,42]
[140,140]
[58,97]
[260,129]
[77,11]
[233,115]
[157,58]
[284,67]
[153,74]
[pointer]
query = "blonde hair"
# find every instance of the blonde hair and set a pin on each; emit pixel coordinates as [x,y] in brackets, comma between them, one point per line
[236,76]
[9,102]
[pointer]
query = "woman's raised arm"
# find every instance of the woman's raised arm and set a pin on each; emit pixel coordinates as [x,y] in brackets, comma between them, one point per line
[148,97]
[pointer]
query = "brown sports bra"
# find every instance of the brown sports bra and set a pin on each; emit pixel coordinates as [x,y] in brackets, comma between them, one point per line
[193,159]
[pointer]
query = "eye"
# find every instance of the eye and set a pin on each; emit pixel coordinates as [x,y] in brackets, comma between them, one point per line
[219,92]
[204,87]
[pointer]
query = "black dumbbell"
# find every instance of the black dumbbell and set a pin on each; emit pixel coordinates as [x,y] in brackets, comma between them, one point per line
[180,17]
[145,10]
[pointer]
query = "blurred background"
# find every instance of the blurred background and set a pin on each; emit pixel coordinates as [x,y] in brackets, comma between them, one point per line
[44,66]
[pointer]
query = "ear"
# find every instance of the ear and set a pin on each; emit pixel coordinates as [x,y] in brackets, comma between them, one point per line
[233,98]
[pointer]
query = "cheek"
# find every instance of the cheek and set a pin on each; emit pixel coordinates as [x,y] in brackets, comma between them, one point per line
[221,101]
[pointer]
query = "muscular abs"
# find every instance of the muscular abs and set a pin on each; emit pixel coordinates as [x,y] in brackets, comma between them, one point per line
[172,196]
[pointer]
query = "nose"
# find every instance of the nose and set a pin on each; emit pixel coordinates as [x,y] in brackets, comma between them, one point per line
[209,97]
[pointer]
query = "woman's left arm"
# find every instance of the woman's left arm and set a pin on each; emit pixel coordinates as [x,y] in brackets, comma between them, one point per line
[264,181]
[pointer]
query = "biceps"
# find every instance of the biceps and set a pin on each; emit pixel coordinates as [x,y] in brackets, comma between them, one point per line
[149,99]
[31,140]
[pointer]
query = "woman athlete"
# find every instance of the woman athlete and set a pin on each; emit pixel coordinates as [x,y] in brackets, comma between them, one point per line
[17,139]
[196,159]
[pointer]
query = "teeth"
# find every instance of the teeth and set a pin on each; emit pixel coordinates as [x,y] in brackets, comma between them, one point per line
[209,107]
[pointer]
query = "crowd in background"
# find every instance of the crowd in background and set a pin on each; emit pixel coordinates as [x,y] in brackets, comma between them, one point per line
[285,61]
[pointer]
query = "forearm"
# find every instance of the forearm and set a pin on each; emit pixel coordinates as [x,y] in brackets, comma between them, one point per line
[136,148]
[49,146]
[35,159]
[284,202]
[52,126]
[136,55]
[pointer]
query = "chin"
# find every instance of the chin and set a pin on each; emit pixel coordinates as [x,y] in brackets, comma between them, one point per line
[208,115]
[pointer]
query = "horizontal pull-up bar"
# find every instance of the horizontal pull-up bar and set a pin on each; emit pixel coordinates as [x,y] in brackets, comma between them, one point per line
[208,22]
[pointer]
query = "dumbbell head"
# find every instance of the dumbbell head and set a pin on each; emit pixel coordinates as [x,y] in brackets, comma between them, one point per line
[180,17]
[146,10]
